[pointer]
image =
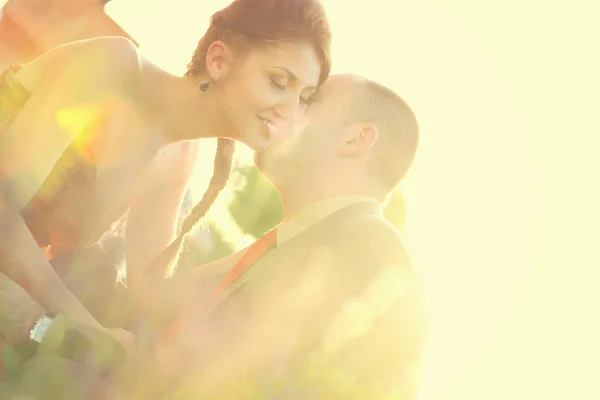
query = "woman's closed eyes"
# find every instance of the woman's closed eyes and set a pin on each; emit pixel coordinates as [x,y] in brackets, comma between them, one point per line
[282,84]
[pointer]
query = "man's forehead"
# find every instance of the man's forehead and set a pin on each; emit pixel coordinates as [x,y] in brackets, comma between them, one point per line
[333,96]
[340,85]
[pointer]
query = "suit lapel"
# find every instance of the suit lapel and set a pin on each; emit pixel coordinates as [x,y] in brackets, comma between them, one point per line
[295,248]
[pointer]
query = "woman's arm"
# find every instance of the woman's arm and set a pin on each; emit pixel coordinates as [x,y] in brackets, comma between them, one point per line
[153,213]
[152,220]
[23,262]
[18,312]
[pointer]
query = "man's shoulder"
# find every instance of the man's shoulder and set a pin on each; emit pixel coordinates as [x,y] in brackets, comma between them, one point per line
[377,288]
[374,224]
[369,236]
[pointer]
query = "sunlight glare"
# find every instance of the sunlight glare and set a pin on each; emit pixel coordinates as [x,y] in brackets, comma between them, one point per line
[507,96]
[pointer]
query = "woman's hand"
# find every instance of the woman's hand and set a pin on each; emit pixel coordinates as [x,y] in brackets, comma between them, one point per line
[18,312]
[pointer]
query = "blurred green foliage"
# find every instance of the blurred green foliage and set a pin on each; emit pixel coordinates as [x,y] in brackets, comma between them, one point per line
[256,208]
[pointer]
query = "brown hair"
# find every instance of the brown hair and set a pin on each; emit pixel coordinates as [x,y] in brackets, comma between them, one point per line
[243,25]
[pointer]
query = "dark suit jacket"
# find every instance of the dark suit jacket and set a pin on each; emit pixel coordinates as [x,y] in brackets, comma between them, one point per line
[335,313]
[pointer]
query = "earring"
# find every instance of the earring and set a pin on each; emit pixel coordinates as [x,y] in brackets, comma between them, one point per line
[204,86]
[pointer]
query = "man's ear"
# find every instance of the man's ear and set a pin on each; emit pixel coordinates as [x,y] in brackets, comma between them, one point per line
[219,60]
[359,140]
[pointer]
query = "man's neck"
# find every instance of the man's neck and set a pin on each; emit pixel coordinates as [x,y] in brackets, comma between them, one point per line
[293,205]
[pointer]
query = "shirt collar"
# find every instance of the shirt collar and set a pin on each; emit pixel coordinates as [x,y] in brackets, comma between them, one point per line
[313,213]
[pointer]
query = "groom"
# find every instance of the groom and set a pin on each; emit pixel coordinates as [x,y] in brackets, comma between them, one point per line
[330,289]
[327,304]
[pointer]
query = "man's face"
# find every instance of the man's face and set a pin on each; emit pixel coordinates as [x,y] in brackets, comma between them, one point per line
[311,151]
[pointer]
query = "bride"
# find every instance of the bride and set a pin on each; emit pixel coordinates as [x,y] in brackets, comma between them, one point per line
[90,130]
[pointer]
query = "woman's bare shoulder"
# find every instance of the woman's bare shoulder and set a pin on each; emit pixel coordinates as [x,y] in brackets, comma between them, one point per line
[108,63]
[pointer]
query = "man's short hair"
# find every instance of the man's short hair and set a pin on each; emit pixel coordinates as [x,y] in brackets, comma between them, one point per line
[398,132]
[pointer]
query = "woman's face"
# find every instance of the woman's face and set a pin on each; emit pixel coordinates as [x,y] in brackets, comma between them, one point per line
[264,95]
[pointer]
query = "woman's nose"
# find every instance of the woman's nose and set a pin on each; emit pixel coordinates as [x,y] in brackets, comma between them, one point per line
[289,108]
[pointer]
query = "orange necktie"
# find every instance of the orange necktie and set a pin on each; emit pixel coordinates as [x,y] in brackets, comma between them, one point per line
[254,252]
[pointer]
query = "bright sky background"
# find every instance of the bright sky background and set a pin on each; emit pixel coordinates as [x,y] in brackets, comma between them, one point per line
[501,198]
